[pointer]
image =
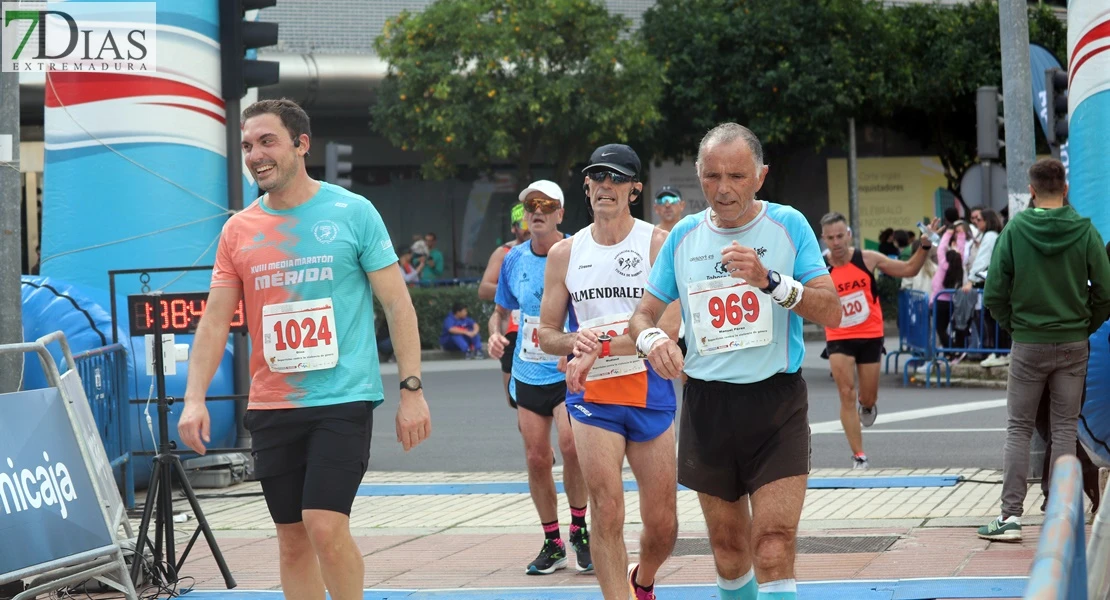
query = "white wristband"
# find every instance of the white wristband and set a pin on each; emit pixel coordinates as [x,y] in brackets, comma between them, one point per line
[788,293]
[647,339]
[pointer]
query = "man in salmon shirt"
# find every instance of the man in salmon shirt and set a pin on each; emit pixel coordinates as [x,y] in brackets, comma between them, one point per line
[856,346]
[306,258]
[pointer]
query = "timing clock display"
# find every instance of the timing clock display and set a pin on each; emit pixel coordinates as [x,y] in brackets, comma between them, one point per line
[177,313]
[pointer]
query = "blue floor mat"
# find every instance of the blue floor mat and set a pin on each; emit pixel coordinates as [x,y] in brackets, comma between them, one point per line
[521,487]
[904,589]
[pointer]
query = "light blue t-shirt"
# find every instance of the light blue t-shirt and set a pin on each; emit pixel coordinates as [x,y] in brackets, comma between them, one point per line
[692,253]
[520,286]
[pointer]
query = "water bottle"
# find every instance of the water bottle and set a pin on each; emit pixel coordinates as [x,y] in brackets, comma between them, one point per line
[933,236]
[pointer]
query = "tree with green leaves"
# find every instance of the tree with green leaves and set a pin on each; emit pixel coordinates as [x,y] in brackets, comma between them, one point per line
[947,53]
[480,81]
[793,71]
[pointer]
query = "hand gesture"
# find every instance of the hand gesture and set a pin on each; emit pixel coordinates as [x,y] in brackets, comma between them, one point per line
[743,263]
[193,426]
[577,371]
[497,345]
[586,343]
[666,358]
[414,420]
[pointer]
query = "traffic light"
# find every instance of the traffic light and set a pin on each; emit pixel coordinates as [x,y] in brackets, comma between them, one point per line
[337,171]
[239,36]
[988,123]
[1056,98]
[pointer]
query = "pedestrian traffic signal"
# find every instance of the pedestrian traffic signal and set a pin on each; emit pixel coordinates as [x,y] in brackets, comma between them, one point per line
[337,171]
[1056,98]
[239,36]
[988,123]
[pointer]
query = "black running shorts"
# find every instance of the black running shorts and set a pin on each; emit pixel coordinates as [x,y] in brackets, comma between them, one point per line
[510,350]
[864,350]
[541,399]
[735,438]
[310,458]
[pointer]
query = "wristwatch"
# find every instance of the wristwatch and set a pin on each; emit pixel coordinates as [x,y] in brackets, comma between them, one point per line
[604,339]
[411,383]
[773,281]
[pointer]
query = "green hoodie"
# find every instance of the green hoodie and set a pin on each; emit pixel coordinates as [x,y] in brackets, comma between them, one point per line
[1037,283]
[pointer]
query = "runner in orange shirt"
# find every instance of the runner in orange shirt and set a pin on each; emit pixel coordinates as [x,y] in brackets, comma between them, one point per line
[856,346]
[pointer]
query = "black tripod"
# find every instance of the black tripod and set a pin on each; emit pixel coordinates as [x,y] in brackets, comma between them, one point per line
[159,497]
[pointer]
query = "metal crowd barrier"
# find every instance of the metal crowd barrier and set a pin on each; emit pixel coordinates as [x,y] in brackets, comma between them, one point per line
[917,324]
[915,330]
[1059,569]
[906,304]
[976,328]
[103,374]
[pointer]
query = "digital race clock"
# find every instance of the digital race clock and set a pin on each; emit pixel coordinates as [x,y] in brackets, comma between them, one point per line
[176,312]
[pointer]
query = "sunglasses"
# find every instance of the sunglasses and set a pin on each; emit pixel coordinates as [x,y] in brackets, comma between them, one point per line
[668,199]
[617,178]
[542,205]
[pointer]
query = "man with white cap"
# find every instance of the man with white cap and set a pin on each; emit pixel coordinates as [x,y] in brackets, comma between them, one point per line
[540,387]
[620,406]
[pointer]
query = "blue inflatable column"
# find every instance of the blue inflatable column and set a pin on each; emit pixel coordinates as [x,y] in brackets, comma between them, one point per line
[1088,161]
[136,178]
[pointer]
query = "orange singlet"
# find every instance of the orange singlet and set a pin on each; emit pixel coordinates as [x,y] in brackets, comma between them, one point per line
[859,299]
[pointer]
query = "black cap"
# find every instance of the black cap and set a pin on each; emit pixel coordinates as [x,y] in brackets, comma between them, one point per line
[617,157]
[668,190]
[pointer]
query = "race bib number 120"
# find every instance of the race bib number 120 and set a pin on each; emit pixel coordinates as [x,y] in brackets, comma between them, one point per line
[856,309]
[300,336]
[613,366]
[728,314]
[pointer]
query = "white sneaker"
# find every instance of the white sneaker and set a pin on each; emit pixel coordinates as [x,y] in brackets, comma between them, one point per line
[860,462]
[995,360]
[867,415]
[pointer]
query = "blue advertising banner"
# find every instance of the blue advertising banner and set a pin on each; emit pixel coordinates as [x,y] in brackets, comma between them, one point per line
[48,507]
[1040,60]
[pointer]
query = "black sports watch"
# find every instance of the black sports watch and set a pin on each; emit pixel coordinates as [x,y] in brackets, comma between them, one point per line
[411,383]
[773,281]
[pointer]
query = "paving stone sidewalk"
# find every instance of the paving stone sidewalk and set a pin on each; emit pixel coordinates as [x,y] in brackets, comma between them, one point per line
[485,540]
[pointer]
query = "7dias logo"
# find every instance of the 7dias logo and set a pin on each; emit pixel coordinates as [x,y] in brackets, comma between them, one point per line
[89,37]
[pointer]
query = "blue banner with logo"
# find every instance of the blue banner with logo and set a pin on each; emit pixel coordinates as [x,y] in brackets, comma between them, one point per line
[1040,60]
[48,508]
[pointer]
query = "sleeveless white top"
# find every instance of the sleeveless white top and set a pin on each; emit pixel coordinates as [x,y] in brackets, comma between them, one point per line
[604,281]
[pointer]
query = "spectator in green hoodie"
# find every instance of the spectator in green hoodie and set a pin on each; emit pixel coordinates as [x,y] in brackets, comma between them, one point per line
[1050,305]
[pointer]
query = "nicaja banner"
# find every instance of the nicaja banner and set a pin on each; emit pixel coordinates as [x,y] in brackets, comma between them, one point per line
[48,508]
[94,37]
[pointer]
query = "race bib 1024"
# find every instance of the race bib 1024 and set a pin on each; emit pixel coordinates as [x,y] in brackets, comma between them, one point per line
[300,336]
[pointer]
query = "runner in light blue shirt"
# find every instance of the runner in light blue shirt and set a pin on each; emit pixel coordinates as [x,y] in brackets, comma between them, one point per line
[539,386]
[746,272]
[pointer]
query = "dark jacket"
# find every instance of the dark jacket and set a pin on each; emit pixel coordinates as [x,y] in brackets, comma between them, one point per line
[1048,278]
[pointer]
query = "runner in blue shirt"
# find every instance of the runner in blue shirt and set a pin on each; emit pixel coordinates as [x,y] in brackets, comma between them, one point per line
[539,386]
[746,272]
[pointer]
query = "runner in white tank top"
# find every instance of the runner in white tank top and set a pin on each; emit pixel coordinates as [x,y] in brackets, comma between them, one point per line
[622,407]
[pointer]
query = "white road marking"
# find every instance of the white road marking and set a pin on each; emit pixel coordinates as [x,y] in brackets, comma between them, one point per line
[915,414]
[956,430]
